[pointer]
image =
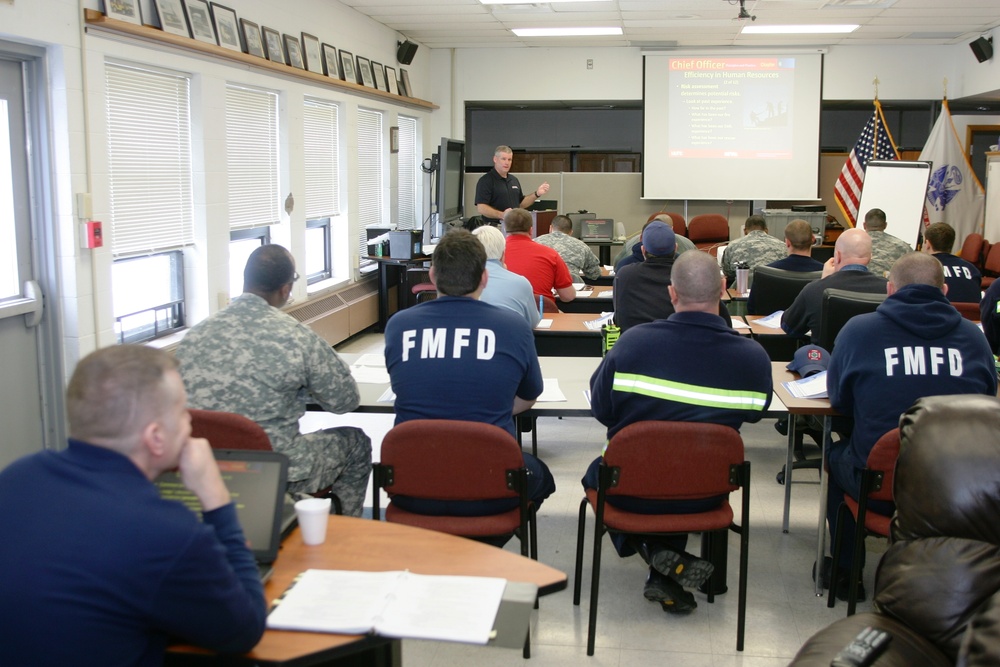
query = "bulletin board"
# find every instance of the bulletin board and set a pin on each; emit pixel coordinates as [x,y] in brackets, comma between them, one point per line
[899,188]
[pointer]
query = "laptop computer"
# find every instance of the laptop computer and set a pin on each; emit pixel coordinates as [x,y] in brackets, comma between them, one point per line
[598,229]
[256,480]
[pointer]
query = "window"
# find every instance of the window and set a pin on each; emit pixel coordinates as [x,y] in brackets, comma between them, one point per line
[149,175]
[407,174]
[9,280]
[252,165]
[241,244]
[369,175]
[320,148]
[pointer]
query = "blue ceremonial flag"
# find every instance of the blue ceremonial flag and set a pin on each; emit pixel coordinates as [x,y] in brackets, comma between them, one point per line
[954,194]
[875,143]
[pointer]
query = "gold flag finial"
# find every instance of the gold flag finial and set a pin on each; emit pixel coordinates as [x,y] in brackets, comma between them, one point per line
[875,83]
[945,85]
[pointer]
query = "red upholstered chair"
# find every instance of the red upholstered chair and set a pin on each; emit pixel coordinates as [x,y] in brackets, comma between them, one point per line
[876,484]
[708,230]
[228,430]
[968,309]
[549,305]
[424,292]
[680,225]
[972,249]
[991,267]
[667,461]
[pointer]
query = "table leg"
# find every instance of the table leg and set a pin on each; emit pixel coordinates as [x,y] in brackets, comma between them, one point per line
[383,295]
[821,531]
[605,255]
[788,471]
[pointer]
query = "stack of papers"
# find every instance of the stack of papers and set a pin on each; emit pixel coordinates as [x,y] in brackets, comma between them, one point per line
[370,369]
[772,321]
[813,386]
[599,322]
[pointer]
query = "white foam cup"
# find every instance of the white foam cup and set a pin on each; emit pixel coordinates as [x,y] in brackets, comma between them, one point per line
[313,515]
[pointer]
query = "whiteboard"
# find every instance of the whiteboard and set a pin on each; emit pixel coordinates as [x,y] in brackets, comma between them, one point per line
[899,188]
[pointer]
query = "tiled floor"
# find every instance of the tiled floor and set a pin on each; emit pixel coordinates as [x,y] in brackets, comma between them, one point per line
[782,611]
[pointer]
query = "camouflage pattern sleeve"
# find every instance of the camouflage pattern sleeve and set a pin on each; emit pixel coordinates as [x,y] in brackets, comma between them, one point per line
[329,378]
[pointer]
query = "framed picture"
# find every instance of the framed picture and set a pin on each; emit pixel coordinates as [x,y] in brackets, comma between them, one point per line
[330,64]
[272,45]
[294,50]
[251,37]
[390,78]
[226,27]
[200,18]
[404,83]
[123,10]
[379,73]
[171,15]
[365,72]
[311,53]
[347,66]
[394,139]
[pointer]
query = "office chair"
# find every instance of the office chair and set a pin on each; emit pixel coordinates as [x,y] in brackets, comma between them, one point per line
[973,250]
[991,266]
[228,430]
[839,306]
[679,224]
[664,460]
[708,230]
[968,309]
[876,484]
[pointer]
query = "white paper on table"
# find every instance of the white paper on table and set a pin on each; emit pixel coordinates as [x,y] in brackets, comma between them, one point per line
[544,324]
[585,292]
[813,386]
[606,294]
[369,375]
[610,270]
[772,321]
[370,359]
[599,322]
[739,324]
[579,286]
[551,393]
[388,396]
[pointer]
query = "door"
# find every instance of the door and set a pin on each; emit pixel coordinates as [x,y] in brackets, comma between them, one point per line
[20,301]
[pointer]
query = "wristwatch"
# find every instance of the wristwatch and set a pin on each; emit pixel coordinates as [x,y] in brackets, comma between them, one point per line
[537,196]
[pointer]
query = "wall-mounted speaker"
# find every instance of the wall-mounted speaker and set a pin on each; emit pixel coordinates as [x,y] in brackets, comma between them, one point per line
[982,48]
[407,49]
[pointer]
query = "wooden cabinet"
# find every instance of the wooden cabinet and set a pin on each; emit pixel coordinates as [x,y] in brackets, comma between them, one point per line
[536,162]
[528,162]
[623,163]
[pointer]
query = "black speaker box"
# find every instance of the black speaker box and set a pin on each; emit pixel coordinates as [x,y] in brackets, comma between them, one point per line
[982,48]
[407,49]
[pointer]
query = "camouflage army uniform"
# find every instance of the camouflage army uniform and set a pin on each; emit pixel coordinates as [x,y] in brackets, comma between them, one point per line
[886,249]
[254,360]
[758,248]
[579,258]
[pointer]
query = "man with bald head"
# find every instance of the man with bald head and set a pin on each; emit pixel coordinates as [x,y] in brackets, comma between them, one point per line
[846,270]
[257,361]
[709,374]
[915,344]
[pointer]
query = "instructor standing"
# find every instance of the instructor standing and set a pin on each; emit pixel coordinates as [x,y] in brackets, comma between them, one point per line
[498,190]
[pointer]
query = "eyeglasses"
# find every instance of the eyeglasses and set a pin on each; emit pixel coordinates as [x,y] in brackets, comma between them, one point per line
[295,276]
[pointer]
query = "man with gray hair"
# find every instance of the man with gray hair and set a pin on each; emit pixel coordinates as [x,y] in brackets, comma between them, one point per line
[498,190]
[915,344]
[505,288]
[579,258]
[252,359]
[707,364]
[886,248]
[98,569]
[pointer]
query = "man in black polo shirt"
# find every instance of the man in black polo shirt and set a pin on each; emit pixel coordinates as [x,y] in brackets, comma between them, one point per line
[498,190]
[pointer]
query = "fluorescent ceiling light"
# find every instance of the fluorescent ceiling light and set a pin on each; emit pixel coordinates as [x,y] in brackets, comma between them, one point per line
[798,29]
[565,32]
[530,2]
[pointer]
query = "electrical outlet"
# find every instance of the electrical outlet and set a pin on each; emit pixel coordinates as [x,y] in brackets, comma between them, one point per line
[590,63]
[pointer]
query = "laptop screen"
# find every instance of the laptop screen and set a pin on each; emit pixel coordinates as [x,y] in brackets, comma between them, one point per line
[598,229]
[256,481]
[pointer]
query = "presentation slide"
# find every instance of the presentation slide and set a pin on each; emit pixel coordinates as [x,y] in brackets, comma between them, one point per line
[732,127]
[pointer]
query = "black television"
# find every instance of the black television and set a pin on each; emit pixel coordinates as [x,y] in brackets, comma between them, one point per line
[450,180]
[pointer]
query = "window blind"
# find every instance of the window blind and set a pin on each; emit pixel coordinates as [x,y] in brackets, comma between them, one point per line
[252,157]
[149,160]
[321,149]
[406,168]
[369,173]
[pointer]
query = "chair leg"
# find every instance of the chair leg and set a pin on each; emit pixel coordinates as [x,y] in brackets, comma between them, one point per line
[580,526]
[741,613]
[526,651]
[859,541]
[533,529]
[595,583]
[838,544]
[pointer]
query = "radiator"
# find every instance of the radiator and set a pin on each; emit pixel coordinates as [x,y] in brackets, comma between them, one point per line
[340,315]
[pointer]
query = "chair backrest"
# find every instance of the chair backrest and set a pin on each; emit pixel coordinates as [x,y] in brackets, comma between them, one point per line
[968,309]
[776,289]
[972,249]
[838,307]
[549,305]
[450,460]
[883,458]
[228,430]
[708,229]
[992,264]
[674,460]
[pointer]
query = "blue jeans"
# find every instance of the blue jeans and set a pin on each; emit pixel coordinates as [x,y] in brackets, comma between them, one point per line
[624,543]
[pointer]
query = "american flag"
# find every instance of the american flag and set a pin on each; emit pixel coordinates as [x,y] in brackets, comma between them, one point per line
[875,143]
